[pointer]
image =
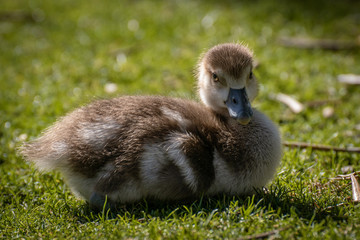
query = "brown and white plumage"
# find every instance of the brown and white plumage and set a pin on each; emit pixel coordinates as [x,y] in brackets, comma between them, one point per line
[135,147]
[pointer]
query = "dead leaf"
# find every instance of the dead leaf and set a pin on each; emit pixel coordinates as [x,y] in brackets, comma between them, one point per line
[355,188]
[350,79]
[291,102]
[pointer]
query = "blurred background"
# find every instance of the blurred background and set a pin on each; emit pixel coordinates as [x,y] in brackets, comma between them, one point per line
[58,55]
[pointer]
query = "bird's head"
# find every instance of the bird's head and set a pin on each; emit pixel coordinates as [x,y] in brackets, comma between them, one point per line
[226,80]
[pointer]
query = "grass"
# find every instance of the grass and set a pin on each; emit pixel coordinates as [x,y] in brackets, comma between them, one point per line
[68,51]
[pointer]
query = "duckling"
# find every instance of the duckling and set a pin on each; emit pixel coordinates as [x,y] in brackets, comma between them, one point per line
[125,149]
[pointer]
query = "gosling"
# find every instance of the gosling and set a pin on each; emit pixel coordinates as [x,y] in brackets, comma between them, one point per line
[125,149]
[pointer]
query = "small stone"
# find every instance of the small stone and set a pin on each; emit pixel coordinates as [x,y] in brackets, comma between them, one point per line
[133,25]
[347,169]
[23,137]
[328,112]
[121,58]
[348,133]
[110,87]
[7,125]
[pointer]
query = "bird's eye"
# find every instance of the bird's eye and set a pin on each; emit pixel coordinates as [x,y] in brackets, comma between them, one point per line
[251,75]
[215,77]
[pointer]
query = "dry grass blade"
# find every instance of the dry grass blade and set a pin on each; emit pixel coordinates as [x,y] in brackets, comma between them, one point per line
[321,147]
[292,103]
[337,205]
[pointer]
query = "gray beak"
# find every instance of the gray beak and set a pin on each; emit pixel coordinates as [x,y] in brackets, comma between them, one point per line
[239,106]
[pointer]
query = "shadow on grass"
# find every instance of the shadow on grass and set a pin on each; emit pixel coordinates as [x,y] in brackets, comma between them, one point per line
[278,201]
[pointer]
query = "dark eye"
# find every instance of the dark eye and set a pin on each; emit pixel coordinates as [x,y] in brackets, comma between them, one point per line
[215,77]
[251,75]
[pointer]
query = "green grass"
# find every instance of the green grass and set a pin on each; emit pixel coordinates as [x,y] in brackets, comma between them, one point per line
[65,57]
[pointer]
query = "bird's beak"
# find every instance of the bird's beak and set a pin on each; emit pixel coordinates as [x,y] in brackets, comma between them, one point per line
[239,106]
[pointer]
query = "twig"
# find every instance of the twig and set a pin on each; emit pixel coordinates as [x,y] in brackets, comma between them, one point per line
[328,44]
[321,147]
[346,176]
[321,102]
[17,16]
[264,235]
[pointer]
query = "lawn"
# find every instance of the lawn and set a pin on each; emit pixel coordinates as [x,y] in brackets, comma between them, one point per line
[59,55]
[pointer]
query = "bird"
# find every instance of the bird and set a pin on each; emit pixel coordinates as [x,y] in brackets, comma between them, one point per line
[125,149]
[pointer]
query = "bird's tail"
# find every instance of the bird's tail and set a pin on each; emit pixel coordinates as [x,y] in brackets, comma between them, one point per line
[48,152]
